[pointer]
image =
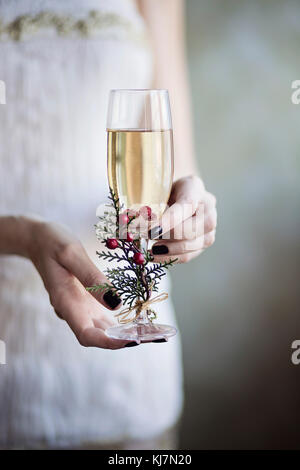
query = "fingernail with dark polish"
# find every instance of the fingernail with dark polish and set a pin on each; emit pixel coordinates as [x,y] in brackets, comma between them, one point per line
[155,232]
[160,249]
[161,340]
[130,345]
[111,299]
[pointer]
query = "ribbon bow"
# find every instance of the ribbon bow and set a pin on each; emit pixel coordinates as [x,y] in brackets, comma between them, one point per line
[139,306]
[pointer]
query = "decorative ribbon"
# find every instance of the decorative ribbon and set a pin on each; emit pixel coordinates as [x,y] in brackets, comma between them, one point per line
[139,306]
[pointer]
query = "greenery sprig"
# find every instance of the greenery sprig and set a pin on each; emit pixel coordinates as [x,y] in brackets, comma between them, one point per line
[138,276]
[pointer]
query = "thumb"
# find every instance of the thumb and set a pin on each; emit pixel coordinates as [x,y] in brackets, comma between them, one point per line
[76,260]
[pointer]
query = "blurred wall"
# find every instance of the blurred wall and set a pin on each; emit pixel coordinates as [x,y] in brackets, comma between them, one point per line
[238,304]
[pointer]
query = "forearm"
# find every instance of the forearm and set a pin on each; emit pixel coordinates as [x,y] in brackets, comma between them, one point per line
[15,235]
[184,153]
[171,73]
[165,21]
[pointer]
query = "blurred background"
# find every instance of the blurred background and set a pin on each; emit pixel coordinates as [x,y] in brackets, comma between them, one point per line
[240,310]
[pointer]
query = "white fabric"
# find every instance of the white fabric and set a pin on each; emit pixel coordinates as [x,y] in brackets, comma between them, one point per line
[53,163]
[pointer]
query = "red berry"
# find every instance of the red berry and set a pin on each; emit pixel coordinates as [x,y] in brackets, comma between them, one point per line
[129,237]
[138,258]
[123,219]
[146,212]
[112,243]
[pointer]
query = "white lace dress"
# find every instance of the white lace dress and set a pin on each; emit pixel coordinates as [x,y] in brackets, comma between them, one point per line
[58,67]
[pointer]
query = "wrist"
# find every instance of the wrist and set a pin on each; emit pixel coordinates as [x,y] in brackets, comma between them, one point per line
[17,235]
[24,228]
[30,227]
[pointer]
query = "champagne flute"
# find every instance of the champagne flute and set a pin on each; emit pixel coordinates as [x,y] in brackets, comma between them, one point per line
[140,172]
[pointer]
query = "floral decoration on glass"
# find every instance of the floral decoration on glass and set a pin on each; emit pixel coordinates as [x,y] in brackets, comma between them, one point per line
[137,278]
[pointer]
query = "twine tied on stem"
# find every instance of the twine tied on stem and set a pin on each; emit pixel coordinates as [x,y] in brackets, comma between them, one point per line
[139,306]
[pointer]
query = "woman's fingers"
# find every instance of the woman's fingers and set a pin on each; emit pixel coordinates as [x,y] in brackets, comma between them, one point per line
[65,269]
[173,217]
[188,199]
[183,250]
[210,220]
[209,239]
[195,226]
[180,258]
[96,337]
[75,259]
[83,314]
[177,247]
[184,200]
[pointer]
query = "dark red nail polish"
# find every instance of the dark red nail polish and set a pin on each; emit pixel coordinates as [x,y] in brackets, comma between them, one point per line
[111,299]
[130,345]
[160,250]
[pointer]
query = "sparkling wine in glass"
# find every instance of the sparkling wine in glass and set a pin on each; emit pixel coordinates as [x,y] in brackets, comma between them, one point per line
[140,172]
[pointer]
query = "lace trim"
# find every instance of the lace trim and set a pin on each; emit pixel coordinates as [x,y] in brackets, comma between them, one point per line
[65,25]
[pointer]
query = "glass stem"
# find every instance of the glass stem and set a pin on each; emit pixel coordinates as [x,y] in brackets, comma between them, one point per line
[143,317]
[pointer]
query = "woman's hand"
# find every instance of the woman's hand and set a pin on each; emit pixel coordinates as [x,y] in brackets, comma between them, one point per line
[188,226]
[66,270]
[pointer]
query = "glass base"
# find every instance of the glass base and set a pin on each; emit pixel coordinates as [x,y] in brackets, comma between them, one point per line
[141,333]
